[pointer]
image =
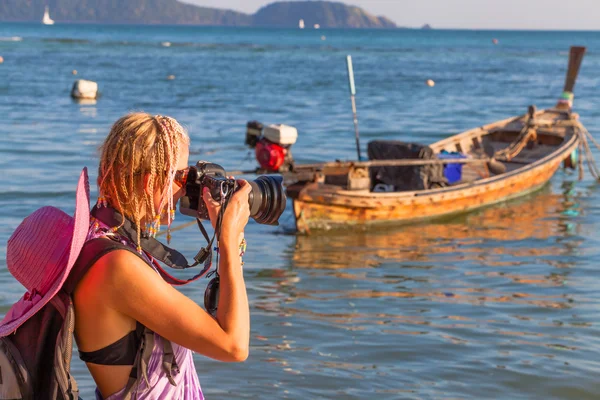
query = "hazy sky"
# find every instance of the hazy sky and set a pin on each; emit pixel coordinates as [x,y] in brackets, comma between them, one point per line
[470,14]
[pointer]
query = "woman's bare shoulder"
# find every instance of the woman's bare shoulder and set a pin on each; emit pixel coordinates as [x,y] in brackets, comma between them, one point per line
[134,289]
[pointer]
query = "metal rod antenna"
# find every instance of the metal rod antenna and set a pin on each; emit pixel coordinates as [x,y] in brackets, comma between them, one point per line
[353,99]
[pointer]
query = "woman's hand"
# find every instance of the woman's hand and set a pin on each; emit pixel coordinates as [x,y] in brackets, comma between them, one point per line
[233,225]
[236,215]
[212,206]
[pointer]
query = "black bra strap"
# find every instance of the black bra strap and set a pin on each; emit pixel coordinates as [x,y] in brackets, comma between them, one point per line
[121,352]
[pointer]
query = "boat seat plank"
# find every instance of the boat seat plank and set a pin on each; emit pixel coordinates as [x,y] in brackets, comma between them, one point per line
[471,173]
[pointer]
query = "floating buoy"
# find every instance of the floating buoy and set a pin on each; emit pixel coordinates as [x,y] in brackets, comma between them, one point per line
[74,72]
[170,77]
[323,38]
[495,41]
[430,82]
[1,60]
[83,89]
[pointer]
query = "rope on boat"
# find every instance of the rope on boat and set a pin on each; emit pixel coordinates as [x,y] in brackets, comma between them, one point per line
[528,133]
[585,149]
[178,228]
[580,161]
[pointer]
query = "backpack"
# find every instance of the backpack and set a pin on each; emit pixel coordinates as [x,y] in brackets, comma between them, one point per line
[35,361]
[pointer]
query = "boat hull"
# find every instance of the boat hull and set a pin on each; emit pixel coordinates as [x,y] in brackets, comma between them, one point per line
[320,207]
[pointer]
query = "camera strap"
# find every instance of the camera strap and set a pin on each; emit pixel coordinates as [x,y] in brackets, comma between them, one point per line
[160,252]
[205,252]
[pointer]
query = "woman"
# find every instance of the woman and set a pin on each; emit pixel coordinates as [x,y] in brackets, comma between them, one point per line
[122,305]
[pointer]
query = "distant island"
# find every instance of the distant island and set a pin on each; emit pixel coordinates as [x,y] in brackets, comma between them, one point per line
[324,14]
[286,14]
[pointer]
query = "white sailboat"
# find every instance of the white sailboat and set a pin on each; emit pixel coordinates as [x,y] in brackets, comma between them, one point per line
[301,24]
[46,20]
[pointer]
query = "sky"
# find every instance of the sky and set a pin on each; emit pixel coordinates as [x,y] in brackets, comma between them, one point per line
[465,14]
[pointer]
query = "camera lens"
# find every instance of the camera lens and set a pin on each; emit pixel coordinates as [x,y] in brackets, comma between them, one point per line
[267,199]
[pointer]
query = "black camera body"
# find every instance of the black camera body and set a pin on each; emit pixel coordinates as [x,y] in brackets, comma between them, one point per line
[208,175]
[266,200]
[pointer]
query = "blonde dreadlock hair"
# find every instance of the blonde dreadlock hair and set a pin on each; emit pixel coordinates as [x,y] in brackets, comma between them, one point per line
[139,145]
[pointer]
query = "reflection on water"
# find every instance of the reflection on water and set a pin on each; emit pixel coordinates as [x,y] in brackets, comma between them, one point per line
[87,107]
[491,292]
[537,217]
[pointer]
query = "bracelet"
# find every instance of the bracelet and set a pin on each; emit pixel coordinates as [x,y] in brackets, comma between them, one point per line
[243,245]
[242,250]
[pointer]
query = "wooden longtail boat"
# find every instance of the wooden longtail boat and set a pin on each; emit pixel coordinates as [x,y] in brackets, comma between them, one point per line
[504,160]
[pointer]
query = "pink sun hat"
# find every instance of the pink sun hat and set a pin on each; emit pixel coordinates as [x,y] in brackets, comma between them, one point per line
[42,251]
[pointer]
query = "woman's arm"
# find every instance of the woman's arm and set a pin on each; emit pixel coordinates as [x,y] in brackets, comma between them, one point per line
[233,311]
[134,289]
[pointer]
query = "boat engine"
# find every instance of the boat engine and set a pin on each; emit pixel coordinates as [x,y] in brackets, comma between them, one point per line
[272,145]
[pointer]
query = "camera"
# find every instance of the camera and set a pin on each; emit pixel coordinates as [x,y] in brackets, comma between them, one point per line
[267,199]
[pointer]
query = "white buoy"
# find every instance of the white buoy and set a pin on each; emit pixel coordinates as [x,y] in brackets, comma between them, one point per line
[430,82]
[83,89]
[170,77]
[166,44]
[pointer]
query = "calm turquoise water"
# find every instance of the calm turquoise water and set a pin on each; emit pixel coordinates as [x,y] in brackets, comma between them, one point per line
[501,303]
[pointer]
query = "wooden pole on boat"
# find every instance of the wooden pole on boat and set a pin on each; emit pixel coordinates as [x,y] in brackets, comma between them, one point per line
[575,59]
[352,98]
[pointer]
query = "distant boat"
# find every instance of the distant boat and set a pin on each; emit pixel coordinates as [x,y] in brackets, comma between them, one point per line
[46,20]
[317,26]
[301,24]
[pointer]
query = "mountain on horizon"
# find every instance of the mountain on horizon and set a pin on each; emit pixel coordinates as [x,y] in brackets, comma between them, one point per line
[326,14]
[121,12]
[172,12]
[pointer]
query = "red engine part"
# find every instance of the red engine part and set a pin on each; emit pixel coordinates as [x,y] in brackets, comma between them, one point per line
[269,155]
